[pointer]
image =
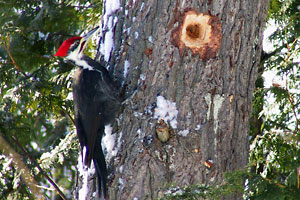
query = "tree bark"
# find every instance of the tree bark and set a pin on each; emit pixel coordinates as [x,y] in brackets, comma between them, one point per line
[211,86]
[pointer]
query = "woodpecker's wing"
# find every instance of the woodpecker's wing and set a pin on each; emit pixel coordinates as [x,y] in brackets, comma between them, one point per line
[87,113]
[96,102]
[91,139]
[106,92]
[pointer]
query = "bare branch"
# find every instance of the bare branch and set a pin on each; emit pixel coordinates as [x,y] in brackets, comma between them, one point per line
[13,60]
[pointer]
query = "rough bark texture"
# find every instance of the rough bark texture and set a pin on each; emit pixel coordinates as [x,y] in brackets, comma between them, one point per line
[213,97]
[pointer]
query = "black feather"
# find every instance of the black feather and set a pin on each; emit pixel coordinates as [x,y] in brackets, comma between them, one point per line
[96,103]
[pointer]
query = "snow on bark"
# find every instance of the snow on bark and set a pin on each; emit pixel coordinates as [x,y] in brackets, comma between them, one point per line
[166,110]
[109,22]
[108,142]
[85,173]
[126,67]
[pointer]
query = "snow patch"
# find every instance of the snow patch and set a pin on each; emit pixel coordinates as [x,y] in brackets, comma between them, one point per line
[121,168]
[13,95]
[174,191]
[183,133]
[108,23]
[137,114]
[108,142]
[142,7]
[126,67]
[111,6]
[121,184]
[119,142]
[70,96]
[139,132]
[86,173]
[41,35]
[198,127]
[108,45]
[142,77]
[166,110]
[84,190]
[115,20]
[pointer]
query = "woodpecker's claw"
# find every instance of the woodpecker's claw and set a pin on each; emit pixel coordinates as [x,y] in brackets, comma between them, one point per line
[127,99]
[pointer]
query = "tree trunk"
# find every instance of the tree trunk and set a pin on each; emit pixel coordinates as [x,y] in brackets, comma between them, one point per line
[194,64]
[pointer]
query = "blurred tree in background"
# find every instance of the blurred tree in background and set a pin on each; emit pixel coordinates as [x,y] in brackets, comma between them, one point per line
[275,135]
[35,103]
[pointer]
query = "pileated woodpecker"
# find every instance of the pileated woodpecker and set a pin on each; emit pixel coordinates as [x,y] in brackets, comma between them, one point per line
[96,102]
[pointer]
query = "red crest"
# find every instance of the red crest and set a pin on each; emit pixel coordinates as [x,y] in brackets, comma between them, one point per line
[64,47]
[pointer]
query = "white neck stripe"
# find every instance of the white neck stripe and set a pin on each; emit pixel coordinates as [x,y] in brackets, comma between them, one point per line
[74,56]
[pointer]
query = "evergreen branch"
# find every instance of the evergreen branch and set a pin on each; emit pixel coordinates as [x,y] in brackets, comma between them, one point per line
[291,100]
[61,194]
[20,70]
[27,177]
[265,56]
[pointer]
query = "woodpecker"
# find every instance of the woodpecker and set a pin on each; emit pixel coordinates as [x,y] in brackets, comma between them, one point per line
[96,103]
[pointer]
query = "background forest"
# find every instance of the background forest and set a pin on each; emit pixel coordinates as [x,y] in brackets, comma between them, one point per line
[37,134]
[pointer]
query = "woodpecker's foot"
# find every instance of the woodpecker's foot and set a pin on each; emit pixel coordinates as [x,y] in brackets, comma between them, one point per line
[130,97]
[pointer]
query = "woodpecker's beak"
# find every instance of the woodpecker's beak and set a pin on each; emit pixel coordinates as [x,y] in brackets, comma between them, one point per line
[89,34]
[85,39]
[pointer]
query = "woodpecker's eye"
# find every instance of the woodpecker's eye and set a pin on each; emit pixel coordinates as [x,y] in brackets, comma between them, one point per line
[74,45]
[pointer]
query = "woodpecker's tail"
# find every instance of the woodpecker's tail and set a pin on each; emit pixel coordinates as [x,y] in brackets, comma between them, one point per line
[100,164]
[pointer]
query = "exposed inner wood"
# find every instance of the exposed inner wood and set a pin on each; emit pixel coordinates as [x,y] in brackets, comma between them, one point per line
[201,33]
[196,31]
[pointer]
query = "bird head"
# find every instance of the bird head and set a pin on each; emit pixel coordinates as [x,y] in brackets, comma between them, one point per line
[74,46]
